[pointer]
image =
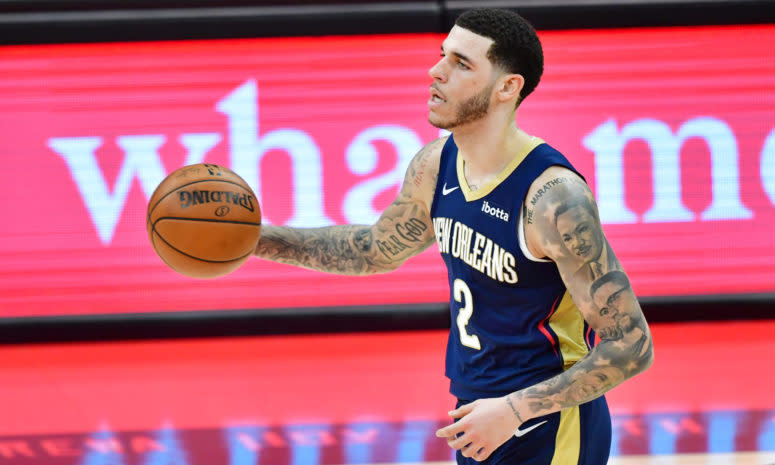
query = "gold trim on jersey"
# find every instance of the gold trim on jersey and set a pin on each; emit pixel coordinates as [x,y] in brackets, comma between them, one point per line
[567,446]
[493,183]
[568,324]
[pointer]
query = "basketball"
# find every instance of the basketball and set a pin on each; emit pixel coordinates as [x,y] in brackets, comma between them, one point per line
[203,221]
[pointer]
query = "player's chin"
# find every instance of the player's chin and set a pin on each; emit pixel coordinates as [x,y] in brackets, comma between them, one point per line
[437,121]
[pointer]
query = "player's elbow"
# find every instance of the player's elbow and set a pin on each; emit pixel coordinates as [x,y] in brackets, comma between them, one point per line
[643,358]
[648,357]
[630,359]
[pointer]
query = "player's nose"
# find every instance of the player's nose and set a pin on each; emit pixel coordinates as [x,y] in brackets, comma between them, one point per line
[437,72]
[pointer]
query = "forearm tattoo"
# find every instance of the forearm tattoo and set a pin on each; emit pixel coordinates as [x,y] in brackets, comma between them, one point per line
[514,409]
[609,364]
[349,249]
[403,230]
[342,249]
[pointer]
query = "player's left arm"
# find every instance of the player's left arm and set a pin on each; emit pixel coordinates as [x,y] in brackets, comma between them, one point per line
[604,298]
[625,348]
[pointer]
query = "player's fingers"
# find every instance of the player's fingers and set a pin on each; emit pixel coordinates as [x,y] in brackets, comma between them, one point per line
[458,442]
[482,454]
[450,431]
[462,411]
[469,450]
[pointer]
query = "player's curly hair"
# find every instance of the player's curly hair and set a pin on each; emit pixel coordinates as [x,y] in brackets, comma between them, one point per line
[515,49]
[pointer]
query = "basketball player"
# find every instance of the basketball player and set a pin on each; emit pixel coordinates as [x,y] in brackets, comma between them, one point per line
[521,356]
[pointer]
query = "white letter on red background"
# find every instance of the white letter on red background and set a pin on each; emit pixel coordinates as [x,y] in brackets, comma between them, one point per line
[247,148]
[608,143]
[768,166]
[141,161]
[362,158]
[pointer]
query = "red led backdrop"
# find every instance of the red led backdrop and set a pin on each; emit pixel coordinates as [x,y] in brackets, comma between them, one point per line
[673,128]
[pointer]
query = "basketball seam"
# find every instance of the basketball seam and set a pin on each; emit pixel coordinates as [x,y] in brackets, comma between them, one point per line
[153,244]
[209,220]
[198,258]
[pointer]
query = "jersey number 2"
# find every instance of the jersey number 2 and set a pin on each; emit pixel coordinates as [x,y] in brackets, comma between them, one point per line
[462,295]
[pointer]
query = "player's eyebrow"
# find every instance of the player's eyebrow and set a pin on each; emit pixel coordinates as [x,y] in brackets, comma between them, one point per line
[458,55]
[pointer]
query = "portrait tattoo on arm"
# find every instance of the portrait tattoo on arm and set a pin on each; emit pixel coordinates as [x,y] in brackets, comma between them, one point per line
[566,219]
[577,221]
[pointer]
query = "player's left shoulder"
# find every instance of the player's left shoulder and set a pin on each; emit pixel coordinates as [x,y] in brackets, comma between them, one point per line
[554,184]
[556,189]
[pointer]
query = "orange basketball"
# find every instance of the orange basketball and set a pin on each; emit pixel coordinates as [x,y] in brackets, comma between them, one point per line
[203,221]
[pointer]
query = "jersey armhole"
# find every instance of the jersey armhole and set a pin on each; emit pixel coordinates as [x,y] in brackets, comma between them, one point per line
[523,241]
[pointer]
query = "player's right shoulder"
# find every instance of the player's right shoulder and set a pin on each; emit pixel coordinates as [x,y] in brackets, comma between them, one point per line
[433,148]
[423,170]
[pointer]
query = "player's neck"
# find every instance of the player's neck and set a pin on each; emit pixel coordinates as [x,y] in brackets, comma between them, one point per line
[487,148]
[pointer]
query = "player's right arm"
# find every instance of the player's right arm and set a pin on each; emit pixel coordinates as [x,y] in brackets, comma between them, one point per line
[403,230]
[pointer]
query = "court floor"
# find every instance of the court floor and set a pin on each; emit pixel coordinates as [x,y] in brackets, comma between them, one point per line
[361,398]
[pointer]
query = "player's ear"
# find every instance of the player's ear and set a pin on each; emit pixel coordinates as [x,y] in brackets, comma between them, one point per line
[509,86]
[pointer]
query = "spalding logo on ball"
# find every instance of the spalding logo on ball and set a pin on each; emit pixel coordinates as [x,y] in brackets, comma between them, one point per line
[204,221]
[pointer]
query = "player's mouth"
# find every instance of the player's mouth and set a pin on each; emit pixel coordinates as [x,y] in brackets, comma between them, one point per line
[437,98]
[583,251]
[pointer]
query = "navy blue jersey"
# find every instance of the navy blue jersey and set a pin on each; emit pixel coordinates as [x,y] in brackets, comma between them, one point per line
[513,321]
